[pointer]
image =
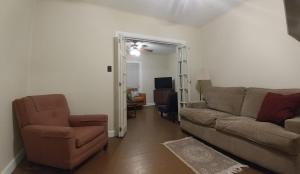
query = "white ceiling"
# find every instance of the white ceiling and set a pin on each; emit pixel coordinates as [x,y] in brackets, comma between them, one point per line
[188,12]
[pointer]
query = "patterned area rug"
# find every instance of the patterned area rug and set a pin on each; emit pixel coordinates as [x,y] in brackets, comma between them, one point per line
[203,159]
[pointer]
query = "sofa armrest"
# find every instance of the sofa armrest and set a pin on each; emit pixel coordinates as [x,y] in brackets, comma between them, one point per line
[88,120]
[293,125]
[199,105]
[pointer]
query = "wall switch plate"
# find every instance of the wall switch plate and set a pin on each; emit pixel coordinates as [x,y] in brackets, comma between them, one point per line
[109,68]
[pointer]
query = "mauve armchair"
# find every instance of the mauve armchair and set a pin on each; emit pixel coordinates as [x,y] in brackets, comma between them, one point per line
[53,137]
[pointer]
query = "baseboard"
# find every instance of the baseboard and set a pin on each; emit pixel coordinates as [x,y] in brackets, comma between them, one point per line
[111,133]
[13,163]
[150,104]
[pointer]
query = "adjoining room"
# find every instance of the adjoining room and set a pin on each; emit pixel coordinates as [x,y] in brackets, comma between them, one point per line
[151,67]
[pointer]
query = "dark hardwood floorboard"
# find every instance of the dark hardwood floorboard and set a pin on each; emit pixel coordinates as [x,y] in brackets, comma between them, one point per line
[140,152]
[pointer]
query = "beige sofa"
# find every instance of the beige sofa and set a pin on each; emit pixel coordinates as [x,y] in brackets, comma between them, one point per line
[228,120]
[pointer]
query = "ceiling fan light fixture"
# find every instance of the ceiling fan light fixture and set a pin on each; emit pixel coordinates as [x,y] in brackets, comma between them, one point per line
[135,52]
[139,45]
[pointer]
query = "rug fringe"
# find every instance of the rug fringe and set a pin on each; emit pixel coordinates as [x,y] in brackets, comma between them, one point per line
[234,169]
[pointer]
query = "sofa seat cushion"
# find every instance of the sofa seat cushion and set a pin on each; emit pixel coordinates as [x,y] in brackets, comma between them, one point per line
[84,135]
[205,117]
[263,133]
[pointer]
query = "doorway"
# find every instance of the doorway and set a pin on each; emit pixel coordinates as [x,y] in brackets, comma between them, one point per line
[182,77]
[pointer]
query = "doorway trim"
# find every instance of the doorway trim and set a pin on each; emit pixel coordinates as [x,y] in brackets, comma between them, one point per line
[120,38]
[150,38]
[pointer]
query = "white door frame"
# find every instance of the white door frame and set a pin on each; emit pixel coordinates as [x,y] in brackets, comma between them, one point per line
[147,38]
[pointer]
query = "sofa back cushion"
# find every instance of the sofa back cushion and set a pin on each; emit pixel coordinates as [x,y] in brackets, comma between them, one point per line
[42,110]
[226,99]
[255,97]
[276,108]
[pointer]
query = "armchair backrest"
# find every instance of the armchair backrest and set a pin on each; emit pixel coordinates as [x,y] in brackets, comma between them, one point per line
[42,110]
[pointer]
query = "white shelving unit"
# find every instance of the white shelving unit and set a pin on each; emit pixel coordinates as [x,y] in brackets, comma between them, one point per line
[183,79]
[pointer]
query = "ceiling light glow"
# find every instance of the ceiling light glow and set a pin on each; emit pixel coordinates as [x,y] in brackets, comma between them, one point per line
[135,52]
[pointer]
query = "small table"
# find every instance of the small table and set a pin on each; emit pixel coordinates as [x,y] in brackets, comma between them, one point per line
[131,109]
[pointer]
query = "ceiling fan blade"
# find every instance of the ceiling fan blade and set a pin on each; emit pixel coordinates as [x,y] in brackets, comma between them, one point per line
[148,50]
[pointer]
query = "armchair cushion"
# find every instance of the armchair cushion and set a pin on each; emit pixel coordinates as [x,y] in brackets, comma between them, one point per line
[88,120]
[85,135]
[139,98]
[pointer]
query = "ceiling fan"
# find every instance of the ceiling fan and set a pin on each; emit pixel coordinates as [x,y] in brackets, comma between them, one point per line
[140,46]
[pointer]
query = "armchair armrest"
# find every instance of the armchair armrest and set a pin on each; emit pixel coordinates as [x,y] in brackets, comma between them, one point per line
[49,145]
[293,125]
[88,120]
[199,105]
[143,95]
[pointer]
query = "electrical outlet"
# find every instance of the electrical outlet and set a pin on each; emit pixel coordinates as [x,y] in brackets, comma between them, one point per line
[109,68]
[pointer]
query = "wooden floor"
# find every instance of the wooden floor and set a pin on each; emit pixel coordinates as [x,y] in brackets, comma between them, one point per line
[140,152]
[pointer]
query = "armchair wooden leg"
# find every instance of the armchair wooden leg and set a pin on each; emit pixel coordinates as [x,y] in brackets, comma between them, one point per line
[71,171]
[105,147]
[30,164]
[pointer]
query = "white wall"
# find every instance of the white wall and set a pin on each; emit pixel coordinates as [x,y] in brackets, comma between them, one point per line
[249,46]
[153,66]
[15,45]
[133,75]
[73,44]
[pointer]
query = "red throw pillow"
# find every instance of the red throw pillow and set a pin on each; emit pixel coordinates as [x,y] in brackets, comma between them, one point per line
[276,108]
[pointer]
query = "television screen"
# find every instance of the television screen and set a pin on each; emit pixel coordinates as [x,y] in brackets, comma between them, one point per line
[163,82]
[292,8]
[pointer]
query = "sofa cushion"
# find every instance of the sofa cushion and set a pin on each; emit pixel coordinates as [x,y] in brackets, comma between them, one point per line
[263,133]
[205,117]
[255,96]
[276,108]
[86,134]
[293,125]
[227,99]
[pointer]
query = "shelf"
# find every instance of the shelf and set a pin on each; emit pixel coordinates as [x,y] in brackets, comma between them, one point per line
[180,75]
[182,61]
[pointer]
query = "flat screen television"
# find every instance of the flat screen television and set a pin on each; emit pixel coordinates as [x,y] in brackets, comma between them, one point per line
[292,8]
[163,82]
